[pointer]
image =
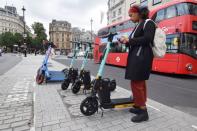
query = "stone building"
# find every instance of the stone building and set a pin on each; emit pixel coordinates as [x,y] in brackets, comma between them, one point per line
[10,21]
[60,35]
[118,9]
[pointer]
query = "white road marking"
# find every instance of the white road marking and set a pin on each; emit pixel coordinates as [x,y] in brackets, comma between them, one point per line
[153,107]
[195,127]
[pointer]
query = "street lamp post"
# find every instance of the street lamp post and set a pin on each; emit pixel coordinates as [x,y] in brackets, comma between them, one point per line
[91,31]
[23,9]
[24,35]
[91,28]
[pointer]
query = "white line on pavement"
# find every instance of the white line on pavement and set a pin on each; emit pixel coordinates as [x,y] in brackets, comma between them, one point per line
[195,127]
[153,107]
[34,121]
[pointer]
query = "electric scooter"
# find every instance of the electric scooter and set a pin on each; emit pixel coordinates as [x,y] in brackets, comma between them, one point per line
[71,73]
[103,87]
[43,74]
[84,78]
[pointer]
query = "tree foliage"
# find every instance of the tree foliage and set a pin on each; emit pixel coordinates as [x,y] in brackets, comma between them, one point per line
[39,31]
[9,39]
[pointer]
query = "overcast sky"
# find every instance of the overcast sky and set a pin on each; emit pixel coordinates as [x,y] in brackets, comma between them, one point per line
[77,12]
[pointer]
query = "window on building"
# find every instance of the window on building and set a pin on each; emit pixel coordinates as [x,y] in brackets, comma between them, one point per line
[170,12]
[144,2]
[114,14]
[159,16]
[57,39]
[119,11]
[156,2]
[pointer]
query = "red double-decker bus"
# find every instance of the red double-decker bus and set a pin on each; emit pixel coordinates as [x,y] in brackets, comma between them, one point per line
[179,20]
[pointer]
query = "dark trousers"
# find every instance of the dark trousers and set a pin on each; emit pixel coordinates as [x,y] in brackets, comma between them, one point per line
[139,92]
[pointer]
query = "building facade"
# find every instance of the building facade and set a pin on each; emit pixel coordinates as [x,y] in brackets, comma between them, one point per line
[10,21]
[82,36]
[76,34]
[60,35]
[118,9]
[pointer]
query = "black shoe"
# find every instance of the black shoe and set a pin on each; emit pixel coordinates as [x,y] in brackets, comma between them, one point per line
[143,116]
[135,110]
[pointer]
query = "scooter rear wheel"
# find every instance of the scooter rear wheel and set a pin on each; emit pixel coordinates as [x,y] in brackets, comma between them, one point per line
[76,87]
[89,106]
[65,84]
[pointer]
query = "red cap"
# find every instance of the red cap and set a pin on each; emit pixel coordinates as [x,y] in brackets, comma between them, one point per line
[134,9]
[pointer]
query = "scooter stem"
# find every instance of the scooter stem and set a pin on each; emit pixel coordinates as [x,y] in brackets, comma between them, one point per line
[101,68]
[86,57]
[74,57]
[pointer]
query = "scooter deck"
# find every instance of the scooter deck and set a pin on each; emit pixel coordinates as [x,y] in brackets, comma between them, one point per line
[56,76]
[118,103]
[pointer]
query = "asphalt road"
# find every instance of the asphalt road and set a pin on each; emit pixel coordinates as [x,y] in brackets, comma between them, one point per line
[177,91]
[7,61]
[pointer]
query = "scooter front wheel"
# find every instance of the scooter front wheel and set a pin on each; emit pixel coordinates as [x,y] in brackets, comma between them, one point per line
[65,84]
[89,106]
[39,78]
[76,87]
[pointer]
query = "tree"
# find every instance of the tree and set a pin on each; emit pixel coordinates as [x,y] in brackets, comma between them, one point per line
[18,38]
[7,39]
[40,35]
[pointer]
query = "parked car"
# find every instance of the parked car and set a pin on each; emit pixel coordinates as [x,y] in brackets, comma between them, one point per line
[70,55]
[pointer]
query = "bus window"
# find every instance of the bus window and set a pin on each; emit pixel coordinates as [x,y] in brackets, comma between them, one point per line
[129,24]
[124,48]
[192,8]
[194,25]
[187,8]
[170,12]
[172,43]
[159,16]
[112,29]
[182,9]
[102,48]
[103,31]
[189,44]
[120,27]
[118,48]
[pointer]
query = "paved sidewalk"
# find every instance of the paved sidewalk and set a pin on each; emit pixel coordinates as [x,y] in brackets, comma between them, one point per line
[57,110]
[16,97]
